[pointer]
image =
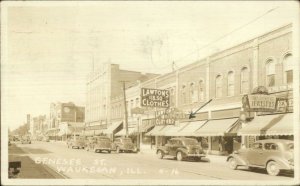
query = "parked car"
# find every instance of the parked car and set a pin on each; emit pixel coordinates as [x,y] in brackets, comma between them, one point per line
[25,140]
[124,144]
[181,148]
[76,142]
[99,144]
[46,139]
[273,155]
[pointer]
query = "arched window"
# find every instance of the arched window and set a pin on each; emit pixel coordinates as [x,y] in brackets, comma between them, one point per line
[244,80]
[193,93]
[183,94]
[288,69]
[270,73]
[201,90]
[172,96]
[219,86]
[230,83]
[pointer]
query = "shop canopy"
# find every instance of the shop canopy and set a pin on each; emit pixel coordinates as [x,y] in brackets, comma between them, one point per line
[122,132]
[89,132]
[146,127]
[190,128]
[155,130]
[218,127]
[112,127]
[173,130]
[276,124]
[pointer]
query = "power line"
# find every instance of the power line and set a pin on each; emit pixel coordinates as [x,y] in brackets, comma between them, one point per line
[223,36]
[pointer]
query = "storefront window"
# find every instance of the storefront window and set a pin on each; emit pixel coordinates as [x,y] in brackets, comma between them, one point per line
[219,86]
[230,83]
[288,69]
[270,73]
[244,80]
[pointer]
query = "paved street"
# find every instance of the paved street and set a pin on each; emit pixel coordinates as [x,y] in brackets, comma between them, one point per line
[81,164]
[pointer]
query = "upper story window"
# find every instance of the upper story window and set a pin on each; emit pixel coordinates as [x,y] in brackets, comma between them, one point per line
[183,94]
[244,80]
[193,93]
[230,83]
[270,73]
[288,69]
[137,102]
[219,86]
[172,97]
[201,90]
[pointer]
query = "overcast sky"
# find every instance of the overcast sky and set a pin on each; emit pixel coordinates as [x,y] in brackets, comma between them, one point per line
[51,47]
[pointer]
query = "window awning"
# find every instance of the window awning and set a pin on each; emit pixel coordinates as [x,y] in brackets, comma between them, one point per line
[191,128]
[172,130]
[218,127]
[122,132]
[277,124]
[155,130]
[112,127]
[89,132]
[146,127]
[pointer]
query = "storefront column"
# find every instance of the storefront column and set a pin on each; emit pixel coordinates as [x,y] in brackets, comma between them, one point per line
[255,69]
[209,145]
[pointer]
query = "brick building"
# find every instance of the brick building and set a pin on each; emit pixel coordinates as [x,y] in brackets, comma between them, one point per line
[222,79]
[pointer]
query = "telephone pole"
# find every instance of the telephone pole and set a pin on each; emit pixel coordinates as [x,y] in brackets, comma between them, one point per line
[125,108]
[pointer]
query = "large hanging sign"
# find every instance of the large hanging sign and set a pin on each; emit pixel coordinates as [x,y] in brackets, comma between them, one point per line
[169,116]
[155,98]
[259,103]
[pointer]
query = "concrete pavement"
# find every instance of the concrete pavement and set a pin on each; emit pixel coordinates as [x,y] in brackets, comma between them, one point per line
[29,169]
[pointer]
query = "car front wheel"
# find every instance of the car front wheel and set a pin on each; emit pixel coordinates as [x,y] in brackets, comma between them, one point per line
[273,168]
[160,154]
[179,156]
[232,163]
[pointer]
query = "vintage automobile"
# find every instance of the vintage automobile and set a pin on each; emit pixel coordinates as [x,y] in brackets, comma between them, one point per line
[76,142]
[181,148]
[99,144]
[273,155]
[124,144]
[25,140]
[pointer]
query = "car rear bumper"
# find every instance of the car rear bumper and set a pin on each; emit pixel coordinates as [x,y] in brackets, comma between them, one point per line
[195,155]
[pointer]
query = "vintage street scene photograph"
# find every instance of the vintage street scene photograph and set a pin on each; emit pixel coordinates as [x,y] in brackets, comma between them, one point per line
[150,93]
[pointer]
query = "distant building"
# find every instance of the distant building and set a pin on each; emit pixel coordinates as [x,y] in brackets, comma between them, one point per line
[63,112]
[104,85]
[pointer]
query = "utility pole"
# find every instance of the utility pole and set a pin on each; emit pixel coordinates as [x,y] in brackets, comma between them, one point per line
[125,109]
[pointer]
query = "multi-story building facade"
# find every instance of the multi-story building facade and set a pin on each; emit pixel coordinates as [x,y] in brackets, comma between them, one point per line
[217,84]
[103,86]
[63,112]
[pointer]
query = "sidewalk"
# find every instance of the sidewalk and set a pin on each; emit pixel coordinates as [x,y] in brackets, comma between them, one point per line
[29,169]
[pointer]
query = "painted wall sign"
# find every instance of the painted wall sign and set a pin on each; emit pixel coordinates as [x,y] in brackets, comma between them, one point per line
[169,116]
[155,98]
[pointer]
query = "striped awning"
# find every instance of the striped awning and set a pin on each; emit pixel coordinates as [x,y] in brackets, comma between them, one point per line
[112,127]
[122,132]
[191,128]
[218,127]
[275,124]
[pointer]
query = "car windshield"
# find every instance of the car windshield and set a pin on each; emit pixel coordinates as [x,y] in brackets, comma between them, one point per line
[190,142]
[103,139]
[126,140]
[290,146]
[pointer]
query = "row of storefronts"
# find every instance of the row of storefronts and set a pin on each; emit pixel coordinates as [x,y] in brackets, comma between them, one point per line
[218,84]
